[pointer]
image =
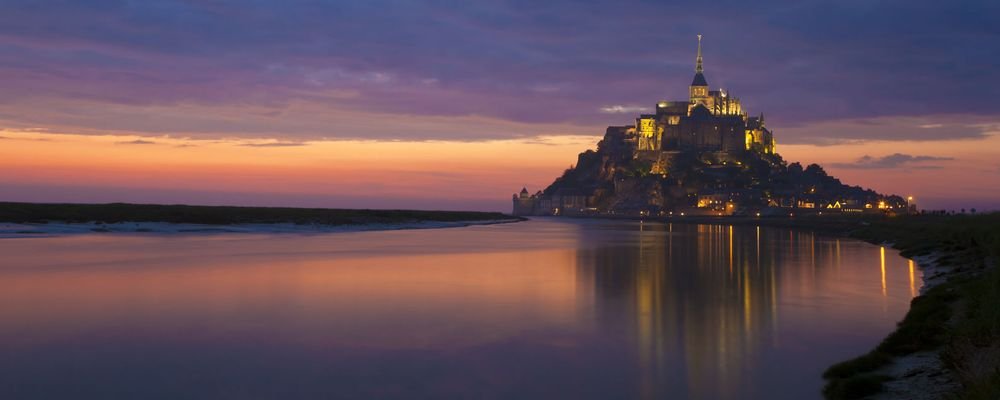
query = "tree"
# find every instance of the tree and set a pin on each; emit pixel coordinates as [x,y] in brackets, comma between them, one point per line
[815,169]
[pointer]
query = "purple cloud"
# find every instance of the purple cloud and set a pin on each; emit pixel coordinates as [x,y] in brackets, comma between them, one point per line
[274,144]
[137,141]
[896,160]
[557,63]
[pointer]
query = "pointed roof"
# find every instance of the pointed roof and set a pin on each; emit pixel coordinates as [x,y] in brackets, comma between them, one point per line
[699,80]
[524,190]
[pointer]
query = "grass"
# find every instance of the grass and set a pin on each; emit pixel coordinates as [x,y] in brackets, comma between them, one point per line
[974,352]
[961,317]
[856,387]
[223,215]
[924,327]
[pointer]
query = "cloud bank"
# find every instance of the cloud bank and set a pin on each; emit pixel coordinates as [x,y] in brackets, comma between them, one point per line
[897,160]
[137,141]
[295,71]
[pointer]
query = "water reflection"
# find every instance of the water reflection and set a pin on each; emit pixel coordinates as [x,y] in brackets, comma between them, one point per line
[706,302]
[543,309]
[701,305]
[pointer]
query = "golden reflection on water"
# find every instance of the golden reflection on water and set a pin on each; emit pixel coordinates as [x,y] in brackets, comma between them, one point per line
[758,245]
[882,267]
[694,309]
[722,339]
[836,255]
[730,250]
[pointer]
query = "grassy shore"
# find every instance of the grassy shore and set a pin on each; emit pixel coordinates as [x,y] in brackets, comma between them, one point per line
[957,320]
[224,215]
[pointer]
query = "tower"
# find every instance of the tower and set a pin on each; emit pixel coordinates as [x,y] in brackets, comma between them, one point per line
[699,86]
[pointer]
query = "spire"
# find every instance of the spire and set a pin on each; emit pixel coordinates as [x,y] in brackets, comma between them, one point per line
[698,67]
[699,77]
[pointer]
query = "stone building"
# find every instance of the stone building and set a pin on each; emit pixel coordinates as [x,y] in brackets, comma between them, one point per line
[565,202]
[709,121]
[711,124]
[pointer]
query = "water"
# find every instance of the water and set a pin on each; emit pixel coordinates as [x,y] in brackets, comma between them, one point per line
[540,309]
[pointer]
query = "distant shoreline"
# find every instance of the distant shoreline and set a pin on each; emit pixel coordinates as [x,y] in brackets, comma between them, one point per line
[37,219]
[832,225]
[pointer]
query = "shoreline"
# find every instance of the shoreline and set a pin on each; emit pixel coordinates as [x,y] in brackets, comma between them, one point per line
[61,228]
[921,375]
[48,219]
[948,343]
[931,353]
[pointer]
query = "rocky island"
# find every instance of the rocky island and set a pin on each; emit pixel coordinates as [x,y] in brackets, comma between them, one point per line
[702,156]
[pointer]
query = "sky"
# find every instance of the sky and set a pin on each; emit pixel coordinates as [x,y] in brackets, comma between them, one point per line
[458,104]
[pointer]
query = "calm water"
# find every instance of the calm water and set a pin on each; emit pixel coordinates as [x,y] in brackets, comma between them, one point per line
[540,309]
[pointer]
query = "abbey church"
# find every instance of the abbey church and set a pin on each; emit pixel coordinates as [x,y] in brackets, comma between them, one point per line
[701,156]
[709,121]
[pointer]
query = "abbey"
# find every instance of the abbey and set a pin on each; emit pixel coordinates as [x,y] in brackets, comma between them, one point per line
[709,121]
[701,156]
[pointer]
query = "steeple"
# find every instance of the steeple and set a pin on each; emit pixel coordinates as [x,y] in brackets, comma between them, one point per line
[698,67]
[699,77]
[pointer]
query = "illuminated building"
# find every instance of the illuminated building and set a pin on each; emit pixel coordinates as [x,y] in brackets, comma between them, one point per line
[701,156]
[710,120]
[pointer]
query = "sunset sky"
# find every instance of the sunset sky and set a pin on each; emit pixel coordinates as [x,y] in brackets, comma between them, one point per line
[456,105]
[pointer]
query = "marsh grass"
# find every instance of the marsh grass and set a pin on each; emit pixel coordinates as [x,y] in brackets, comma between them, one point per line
[960,317]
[924,327]
[856,387]
[974,351]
